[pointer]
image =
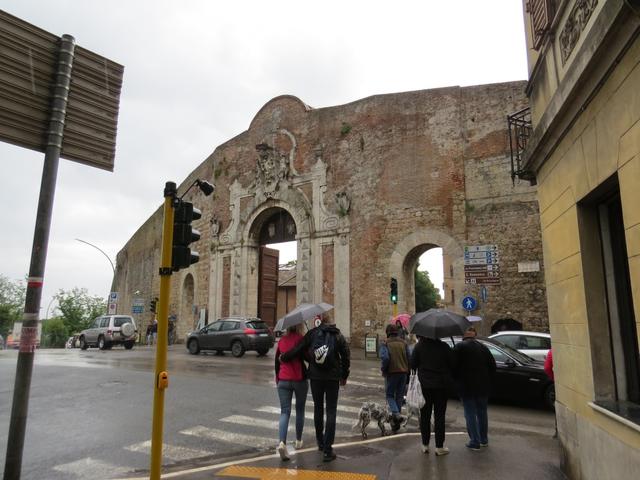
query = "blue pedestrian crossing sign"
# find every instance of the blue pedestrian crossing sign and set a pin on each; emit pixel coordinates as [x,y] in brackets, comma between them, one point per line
[469,303]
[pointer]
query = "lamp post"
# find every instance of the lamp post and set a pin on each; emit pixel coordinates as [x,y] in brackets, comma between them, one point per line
[110,263]
[102,252]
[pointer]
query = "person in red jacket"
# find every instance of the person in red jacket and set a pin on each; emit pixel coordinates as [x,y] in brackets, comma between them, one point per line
[290,379]
[548,368]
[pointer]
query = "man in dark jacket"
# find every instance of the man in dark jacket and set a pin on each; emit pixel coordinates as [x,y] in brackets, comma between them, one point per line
[394,355]
[328,369]
[475,367]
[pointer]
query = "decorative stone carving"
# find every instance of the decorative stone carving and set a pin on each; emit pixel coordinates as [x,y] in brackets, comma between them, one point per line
[271,169]
[574,25]
[343,204]
[215,227]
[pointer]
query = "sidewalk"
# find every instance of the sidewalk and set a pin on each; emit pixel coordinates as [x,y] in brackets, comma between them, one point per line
[509,456]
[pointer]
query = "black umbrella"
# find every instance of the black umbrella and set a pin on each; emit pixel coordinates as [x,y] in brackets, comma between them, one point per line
[438,323]
[303,312]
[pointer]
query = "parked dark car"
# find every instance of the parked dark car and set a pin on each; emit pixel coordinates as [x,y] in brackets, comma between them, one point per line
[518,377]
[238,334]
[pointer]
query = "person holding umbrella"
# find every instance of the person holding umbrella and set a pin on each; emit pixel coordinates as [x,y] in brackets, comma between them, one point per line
[328,370]
[290,379]
[435,363]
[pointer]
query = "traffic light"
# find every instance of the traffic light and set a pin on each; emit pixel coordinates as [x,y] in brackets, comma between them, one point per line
[152,305]
[394,290]
[184,234]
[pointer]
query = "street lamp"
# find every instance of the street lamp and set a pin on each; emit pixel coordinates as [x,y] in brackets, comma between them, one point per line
[100,250]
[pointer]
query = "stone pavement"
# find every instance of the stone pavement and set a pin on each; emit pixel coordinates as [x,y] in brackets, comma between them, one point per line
[519,456]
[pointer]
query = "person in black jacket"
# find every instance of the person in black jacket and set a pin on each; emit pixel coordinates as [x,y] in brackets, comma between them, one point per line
[435,362]
[475,367]
[326,375]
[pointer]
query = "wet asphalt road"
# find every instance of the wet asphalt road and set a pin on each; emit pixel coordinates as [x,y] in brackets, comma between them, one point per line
[90,412]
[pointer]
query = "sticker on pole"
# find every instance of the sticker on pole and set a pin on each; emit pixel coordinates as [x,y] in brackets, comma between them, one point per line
[28,339]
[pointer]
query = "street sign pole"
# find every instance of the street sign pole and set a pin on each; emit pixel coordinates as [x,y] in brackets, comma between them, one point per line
[161,374]
[28,337]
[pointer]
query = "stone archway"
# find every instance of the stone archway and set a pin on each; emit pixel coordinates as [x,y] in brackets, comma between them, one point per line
[405,257]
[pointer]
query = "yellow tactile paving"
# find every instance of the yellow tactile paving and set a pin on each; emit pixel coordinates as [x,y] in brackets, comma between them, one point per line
[263,473]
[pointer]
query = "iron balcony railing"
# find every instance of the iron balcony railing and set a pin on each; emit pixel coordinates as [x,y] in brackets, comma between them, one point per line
[519,133]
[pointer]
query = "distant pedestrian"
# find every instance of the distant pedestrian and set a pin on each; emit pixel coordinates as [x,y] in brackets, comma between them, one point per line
[548,368]
[402,332]
[154,331]
[475,367]
[330,361]
[434,361]
[291,378]
[394,355]
[149,334]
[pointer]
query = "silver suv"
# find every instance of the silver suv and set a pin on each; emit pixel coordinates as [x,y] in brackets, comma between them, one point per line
[110,330]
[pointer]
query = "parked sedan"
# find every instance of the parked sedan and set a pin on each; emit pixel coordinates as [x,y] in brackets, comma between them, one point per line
[518,377]
[237,334]
[533,344]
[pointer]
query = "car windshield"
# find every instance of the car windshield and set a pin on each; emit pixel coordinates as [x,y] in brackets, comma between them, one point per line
[119,321]
[257,325]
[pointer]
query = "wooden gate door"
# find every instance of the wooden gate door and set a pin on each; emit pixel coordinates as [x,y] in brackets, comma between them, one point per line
[268,285]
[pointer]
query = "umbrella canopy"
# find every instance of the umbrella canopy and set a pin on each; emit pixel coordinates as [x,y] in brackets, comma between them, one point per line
[302,313]
[438,323]
[404,319]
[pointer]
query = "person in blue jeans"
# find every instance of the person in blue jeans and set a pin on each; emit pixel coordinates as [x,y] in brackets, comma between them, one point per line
[290,379]
[475,367]
[394,355]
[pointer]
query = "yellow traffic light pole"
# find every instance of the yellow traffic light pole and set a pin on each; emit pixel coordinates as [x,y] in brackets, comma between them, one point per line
[161,378]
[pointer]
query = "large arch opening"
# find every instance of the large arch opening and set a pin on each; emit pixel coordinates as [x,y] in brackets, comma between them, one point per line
[274,232]
[423,278]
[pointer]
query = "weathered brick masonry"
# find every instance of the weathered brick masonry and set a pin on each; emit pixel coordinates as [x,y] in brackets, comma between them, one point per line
[411,171]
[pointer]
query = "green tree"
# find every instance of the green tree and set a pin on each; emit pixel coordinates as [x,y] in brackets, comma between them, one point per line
[12,296]
[54,333]
[78,308]
[427,295]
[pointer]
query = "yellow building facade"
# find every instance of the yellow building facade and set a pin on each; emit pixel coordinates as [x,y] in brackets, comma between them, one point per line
[582,148]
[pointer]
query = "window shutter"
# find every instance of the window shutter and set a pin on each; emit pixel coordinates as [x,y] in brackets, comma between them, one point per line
[540,14]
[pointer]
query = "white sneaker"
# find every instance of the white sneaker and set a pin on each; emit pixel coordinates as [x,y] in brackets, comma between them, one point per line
[442,451]
[282,450]
[298,444]
[425,448]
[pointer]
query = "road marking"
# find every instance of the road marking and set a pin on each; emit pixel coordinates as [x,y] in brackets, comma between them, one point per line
[90,466]
[230,437]
[291,453]
[262,423]
[264,473]
[341,407]
[172,452]
[309,415]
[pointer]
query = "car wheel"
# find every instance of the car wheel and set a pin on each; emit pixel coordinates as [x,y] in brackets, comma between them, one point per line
[102,345]
[83,344]
[263,351]
[128,345]
[193,347]
[237,349]
[550,396]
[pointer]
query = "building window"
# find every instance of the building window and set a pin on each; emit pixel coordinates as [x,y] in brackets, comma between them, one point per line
[541,14]
[612,325]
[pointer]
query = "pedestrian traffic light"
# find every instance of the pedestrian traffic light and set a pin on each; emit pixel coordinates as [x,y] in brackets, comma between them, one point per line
[184,234]
[394,290]
[152,305]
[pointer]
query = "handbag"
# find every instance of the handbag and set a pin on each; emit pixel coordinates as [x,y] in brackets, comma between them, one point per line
[415,399]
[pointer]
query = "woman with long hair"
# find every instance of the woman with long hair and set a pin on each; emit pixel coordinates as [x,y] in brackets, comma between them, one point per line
[290,379]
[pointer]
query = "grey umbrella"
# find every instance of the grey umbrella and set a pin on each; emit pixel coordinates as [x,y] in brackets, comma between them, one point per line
[302,313]
[438,323]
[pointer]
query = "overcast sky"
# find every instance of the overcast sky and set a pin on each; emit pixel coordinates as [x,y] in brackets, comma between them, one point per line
[196,73]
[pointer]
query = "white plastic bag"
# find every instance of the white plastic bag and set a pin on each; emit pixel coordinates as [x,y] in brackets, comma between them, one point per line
[415,399]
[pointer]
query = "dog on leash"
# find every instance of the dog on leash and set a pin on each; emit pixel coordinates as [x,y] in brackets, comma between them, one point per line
[373,411]
[410,413]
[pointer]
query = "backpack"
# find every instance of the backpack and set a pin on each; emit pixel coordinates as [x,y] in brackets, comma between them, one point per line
[323,349]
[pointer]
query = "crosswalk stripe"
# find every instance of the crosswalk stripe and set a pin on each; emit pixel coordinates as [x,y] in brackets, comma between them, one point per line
[261,423]
[96,468]
[341,407]
[230,437]
[309,415]
[171,452]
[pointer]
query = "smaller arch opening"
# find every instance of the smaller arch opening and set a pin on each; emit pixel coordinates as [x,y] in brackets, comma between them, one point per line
[424,277]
